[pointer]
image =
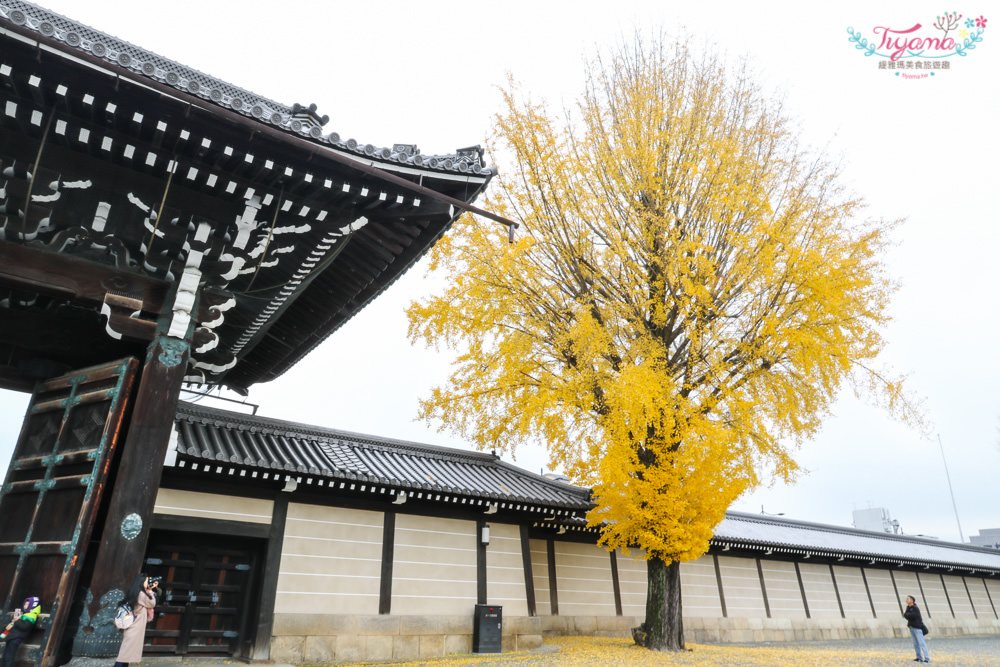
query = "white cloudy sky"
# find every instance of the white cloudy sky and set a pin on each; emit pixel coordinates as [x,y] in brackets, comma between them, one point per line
[427,73]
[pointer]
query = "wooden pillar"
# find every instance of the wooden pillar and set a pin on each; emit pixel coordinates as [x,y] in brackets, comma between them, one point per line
[269,593]
[130,511]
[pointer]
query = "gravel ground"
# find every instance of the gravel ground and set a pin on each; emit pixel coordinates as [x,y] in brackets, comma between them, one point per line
[974,651]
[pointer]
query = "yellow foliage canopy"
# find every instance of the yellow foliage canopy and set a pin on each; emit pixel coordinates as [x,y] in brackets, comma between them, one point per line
[687,292]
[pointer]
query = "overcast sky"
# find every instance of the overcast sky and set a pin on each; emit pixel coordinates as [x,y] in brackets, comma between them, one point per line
[924,149]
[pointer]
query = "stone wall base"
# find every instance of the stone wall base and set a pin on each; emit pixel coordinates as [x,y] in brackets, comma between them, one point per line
[736,630]
[309,638]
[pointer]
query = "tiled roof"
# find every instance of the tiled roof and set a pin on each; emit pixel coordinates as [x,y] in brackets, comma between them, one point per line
[297,119]
[235,443]
[800,537]
[230,443]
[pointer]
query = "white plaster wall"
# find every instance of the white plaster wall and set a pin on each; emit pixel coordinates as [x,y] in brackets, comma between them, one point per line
[936,603]
[505,570]
[852,592]
[632,582]
[906,584]
[818,584]
[883,594]
[540,574]
[961,603]
[583,575]
[783,593]
[434,566]
[985,608]
[331,561]
[699,589]
[212,506]
[741,586]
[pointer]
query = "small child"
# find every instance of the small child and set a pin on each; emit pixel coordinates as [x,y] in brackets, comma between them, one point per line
[19,628]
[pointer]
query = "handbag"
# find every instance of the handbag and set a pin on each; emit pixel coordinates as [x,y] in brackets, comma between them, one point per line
[923,628]
[124,618]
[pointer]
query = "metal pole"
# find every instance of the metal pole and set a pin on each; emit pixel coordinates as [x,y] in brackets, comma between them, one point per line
[961,537]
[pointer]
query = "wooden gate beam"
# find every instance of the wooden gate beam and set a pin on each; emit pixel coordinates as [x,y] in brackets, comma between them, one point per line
[123,543]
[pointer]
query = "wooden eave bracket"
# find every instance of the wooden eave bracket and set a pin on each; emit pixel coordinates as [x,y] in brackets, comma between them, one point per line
[123,317]
[132,303]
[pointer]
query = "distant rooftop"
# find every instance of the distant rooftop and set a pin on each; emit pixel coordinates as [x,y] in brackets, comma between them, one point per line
[778,534]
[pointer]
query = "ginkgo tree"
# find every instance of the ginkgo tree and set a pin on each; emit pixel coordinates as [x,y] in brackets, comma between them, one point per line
[687,291]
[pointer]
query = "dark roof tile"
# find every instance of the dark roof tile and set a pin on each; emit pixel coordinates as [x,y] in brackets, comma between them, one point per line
[209,435]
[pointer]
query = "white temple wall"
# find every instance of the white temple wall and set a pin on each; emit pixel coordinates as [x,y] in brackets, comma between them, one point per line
[212,506]
[505,570]
[329,585]
[820,593]
[434,566]
[583,575]
[632,582]
[981,601]
[783,593]
[700,589]
[331,560]
[741,587]
[540,575]
[887,602]
[853,595]
[959,596]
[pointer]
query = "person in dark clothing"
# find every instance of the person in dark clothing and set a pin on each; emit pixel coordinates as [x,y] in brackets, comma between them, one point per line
[916,624]
[19,629]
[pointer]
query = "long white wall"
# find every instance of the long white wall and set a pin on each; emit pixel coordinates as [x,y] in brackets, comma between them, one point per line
[330,580]
[331,560]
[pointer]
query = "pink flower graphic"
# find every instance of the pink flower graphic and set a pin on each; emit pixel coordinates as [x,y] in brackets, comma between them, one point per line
[981,22]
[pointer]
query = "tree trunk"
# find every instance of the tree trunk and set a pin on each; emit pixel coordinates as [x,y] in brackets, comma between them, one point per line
[663,629]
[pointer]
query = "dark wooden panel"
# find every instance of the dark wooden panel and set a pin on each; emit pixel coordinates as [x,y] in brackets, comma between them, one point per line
[529,577]
[388,549]
[51,501]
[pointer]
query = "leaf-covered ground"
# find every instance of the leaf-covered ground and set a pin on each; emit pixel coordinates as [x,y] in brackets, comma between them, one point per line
[606,652]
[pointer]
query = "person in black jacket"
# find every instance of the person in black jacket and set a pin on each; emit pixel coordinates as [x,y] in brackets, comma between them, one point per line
[19,628]
[916,625]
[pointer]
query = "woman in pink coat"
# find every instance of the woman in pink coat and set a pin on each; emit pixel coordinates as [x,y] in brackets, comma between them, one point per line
[142,600]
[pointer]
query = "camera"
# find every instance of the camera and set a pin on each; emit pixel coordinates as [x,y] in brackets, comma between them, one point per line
[154,580]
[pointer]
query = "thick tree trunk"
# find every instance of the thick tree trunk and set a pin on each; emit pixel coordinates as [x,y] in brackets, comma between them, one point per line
[663,629]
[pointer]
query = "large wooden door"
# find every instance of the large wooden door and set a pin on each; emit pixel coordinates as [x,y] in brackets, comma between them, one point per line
[209,589]
[53,489]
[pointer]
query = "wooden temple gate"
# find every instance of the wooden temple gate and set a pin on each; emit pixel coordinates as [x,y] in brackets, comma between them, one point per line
[160,227]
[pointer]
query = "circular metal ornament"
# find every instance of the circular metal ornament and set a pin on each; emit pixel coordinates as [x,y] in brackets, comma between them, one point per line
[131,526]
[149,69]
[98,49]
[73,39]
[46,28]
[18,17]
